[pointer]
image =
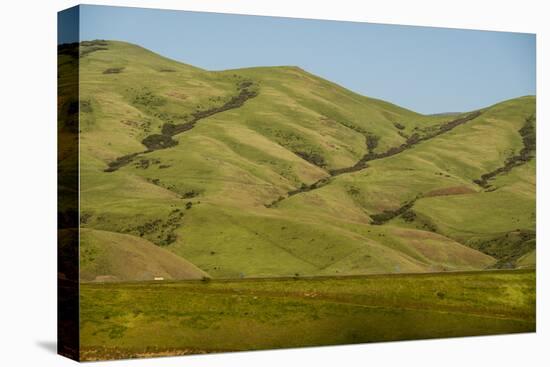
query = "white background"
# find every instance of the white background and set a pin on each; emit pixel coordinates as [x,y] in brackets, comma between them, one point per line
[28,183]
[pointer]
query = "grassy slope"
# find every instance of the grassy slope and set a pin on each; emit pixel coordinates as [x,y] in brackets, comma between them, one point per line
[108,256]
[147,319]
[229,165]
[528,260]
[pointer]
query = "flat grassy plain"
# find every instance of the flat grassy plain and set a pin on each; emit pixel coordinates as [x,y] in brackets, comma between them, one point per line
[128,320]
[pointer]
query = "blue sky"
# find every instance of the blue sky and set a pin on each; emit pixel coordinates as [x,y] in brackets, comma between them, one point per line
[428,70]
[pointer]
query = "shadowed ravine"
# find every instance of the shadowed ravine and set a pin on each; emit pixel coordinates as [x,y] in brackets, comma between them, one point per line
[164,140]
[371,156]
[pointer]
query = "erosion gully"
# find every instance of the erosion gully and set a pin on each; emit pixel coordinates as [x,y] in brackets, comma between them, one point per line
[371,156]
[527,133]
[165,139]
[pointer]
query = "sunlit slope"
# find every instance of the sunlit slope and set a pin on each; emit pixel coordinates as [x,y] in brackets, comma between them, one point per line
[108,256]
[206,197]
[438,178]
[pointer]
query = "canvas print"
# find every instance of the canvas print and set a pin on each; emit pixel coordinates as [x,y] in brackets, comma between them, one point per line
[237,182]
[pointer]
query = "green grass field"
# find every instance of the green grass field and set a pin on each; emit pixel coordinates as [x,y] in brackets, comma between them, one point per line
[273,172]
[154,319]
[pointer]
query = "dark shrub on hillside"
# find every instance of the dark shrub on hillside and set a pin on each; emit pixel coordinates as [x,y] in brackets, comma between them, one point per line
[86,106]
[409,216]
[372,142]
[313,158]
[113,71]
[399,126]
[190,194]
[158,141]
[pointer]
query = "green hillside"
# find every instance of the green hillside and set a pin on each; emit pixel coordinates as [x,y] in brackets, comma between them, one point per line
[108,256]
[273,171]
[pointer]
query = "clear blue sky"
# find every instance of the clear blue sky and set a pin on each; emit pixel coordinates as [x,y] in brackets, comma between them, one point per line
[428,70]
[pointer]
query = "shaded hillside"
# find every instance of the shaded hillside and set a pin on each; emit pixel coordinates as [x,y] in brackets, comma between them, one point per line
[108,256]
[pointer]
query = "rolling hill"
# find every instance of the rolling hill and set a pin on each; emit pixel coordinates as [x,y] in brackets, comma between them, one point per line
[273,171]
[108,256]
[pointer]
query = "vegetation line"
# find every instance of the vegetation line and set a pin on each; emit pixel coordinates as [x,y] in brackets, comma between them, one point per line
[339,277]
[527,133]
[371,155]
[164,140]
[387,215]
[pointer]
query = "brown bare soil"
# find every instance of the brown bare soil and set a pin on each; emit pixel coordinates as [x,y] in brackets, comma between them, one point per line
[455,190]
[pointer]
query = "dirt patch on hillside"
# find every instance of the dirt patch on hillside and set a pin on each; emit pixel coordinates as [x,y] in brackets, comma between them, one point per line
[455,190]
[176,94]
[415,234]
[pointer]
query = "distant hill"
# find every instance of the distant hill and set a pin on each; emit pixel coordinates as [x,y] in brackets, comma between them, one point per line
[445,114]
[273,171]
